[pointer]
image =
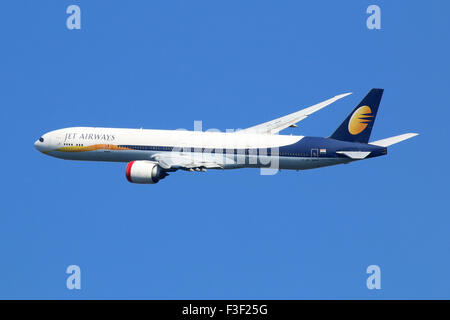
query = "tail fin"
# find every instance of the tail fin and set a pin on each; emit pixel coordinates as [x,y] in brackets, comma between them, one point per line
[358,125]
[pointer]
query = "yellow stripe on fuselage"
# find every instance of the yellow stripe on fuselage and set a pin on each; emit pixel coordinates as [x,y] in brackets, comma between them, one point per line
[91,148]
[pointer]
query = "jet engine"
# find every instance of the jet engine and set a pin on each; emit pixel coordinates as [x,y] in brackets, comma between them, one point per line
[143,171]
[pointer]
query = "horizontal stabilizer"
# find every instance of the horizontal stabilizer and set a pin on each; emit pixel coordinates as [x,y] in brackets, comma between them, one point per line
[355,154]
[393,140]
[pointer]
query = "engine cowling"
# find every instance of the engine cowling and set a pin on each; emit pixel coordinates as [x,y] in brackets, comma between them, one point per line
[142,171]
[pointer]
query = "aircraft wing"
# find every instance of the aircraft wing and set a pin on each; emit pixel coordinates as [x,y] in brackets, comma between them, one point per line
[279,124]
[191,162]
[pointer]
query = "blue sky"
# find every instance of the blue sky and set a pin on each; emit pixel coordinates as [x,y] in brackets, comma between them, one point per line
[235,234]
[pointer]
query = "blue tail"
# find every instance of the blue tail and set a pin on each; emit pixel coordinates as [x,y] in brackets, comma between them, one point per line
[358,125]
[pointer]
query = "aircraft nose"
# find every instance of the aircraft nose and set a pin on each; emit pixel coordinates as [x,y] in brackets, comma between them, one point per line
[40,145]
[37,145]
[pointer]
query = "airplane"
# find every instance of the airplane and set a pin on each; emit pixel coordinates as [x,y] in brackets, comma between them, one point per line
[153,154]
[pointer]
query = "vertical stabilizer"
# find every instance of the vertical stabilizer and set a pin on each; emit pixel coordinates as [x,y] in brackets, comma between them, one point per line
[358,125]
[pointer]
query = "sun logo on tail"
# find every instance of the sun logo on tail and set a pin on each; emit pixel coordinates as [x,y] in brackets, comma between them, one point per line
[359,120]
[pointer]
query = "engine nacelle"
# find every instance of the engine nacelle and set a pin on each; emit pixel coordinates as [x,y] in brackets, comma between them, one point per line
[144,172]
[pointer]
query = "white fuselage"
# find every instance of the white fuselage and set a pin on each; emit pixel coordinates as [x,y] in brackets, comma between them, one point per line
[124,145]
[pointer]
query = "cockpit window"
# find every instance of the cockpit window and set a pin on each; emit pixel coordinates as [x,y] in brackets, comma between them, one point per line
[41,139]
